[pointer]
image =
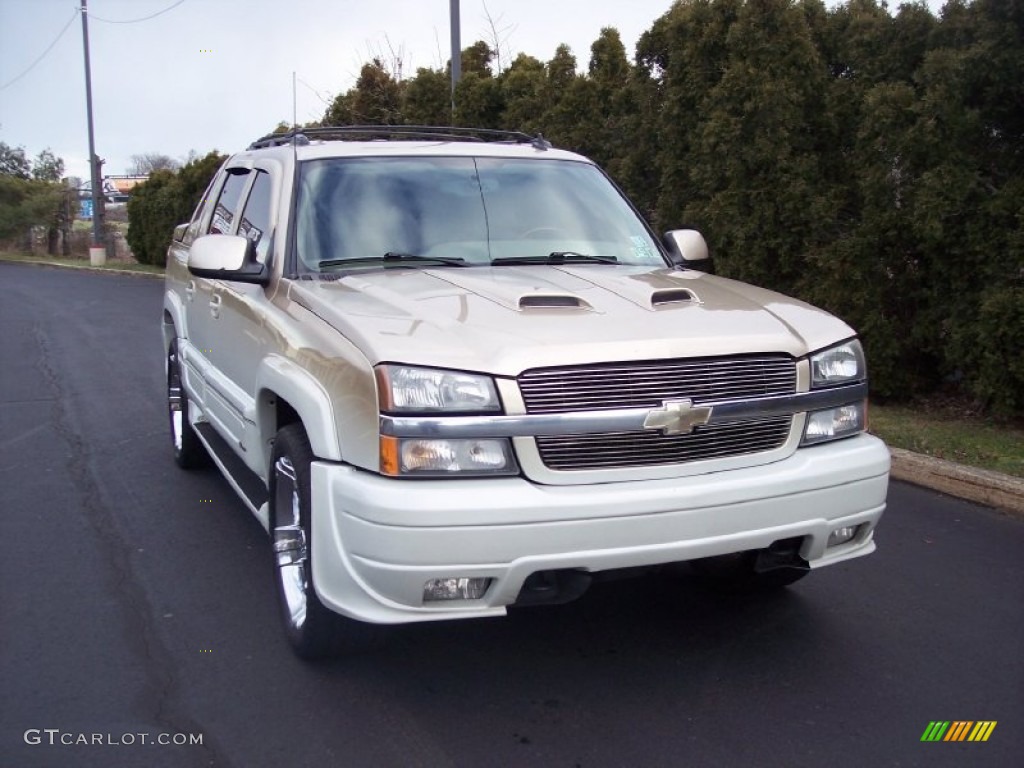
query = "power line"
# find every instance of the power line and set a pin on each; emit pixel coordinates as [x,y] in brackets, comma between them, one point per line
[60,34]
[94,17]
[43,54]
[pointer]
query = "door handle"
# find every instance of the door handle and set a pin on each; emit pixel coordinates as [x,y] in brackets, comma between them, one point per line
[190,290]
[215,302]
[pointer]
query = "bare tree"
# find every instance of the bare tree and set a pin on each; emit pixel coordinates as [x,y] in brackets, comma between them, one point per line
[146,163]
[191,157]
[440,56]
[13,162]
[497,36]
[391,61]
[47,166]
[323,96]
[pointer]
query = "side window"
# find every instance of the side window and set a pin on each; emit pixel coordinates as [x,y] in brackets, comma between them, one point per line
[227,202]
[255,223]
[197,217]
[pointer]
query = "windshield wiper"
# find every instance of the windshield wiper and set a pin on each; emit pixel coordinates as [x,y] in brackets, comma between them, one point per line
[393,257]
[558,257]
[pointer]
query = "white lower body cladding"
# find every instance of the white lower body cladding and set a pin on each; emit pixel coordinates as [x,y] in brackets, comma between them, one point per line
[376,541]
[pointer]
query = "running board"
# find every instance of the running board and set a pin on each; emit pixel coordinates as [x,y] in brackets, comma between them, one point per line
[246,483]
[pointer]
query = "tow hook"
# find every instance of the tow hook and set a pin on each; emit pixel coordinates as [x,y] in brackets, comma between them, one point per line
[553,587]
[781,554]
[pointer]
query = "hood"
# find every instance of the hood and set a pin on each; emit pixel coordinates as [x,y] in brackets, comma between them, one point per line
[505,320]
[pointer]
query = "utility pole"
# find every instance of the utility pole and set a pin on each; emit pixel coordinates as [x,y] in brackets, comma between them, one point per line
[97,251]
[456,50]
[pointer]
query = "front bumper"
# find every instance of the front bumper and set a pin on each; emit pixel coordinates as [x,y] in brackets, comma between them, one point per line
[377,540]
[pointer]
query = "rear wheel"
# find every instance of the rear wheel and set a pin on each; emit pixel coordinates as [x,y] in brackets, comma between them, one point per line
[314,631]
[189,452]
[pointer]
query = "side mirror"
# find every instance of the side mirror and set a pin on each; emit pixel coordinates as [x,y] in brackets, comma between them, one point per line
[687,248]
[226,257]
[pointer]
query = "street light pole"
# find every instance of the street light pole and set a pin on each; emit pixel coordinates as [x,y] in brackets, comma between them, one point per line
[97,253]
[456,49]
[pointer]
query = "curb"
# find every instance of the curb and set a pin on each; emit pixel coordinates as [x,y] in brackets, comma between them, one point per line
[983,486]
[85,268]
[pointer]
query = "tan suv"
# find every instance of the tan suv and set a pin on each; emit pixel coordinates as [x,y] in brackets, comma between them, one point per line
[452,371]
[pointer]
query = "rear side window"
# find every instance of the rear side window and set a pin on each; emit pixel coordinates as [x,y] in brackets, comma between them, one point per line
[227,202]
[255,223]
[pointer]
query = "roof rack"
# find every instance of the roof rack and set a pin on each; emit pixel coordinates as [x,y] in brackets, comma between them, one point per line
[303,136]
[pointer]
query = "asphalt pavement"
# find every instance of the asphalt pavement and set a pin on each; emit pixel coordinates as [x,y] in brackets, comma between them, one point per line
[137,607]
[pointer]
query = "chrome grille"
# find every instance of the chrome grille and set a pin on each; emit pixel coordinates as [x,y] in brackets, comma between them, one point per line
[648,384]
[646,448]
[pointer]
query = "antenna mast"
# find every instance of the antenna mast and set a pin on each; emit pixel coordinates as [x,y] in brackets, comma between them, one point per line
[295,126]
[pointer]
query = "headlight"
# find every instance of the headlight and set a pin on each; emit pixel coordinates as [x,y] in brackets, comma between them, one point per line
[407,389]
[407,456]
[404,388]
[841,364]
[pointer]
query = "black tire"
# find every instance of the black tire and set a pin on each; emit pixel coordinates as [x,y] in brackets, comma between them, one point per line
[313,630]
[737,574]
[189,452]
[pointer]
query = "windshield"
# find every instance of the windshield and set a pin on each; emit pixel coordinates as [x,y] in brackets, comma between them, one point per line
[456,211]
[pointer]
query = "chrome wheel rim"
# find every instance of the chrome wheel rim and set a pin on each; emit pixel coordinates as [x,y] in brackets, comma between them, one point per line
[174,400]
[290,548]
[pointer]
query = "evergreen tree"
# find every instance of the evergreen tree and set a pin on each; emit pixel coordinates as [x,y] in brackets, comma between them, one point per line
[685,54]
[374,100]
[479,101]
[969,210]
[426,99]
[569,100]
[31,195]
[609,73]
[523,84]
[755,170]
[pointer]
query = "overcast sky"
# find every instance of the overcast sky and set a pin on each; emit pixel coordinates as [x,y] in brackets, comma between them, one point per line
[216,74]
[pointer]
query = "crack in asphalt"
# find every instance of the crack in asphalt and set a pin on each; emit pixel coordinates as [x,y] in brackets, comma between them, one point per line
[137,611]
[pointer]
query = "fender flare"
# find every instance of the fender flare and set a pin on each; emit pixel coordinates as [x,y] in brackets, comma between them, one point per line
[285,379]
[176,311]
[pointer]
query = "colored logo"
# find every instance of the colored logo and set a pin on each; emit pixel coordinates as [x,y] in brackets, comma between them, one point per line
[958,730]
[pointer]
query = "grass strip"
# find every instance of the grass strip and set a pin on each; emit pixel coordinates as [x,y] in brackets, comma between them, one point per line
[948,433]
[127,266]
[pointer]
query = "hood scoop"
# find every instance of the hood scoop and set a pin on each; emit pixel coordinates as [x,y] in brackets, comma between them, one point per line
[673,296]
[552,301]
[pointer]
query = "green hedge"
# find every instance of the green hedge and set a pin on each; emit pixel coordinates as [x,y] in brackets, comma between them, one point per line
[163,201]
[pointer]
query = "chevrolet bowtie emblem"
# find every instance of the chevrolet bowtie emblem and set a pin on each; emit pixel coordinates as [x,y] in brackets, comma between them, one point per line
[677,417]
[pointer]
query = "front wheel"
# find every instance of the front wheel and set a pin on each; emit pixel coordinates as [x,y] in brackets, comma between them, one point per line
[314,631]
